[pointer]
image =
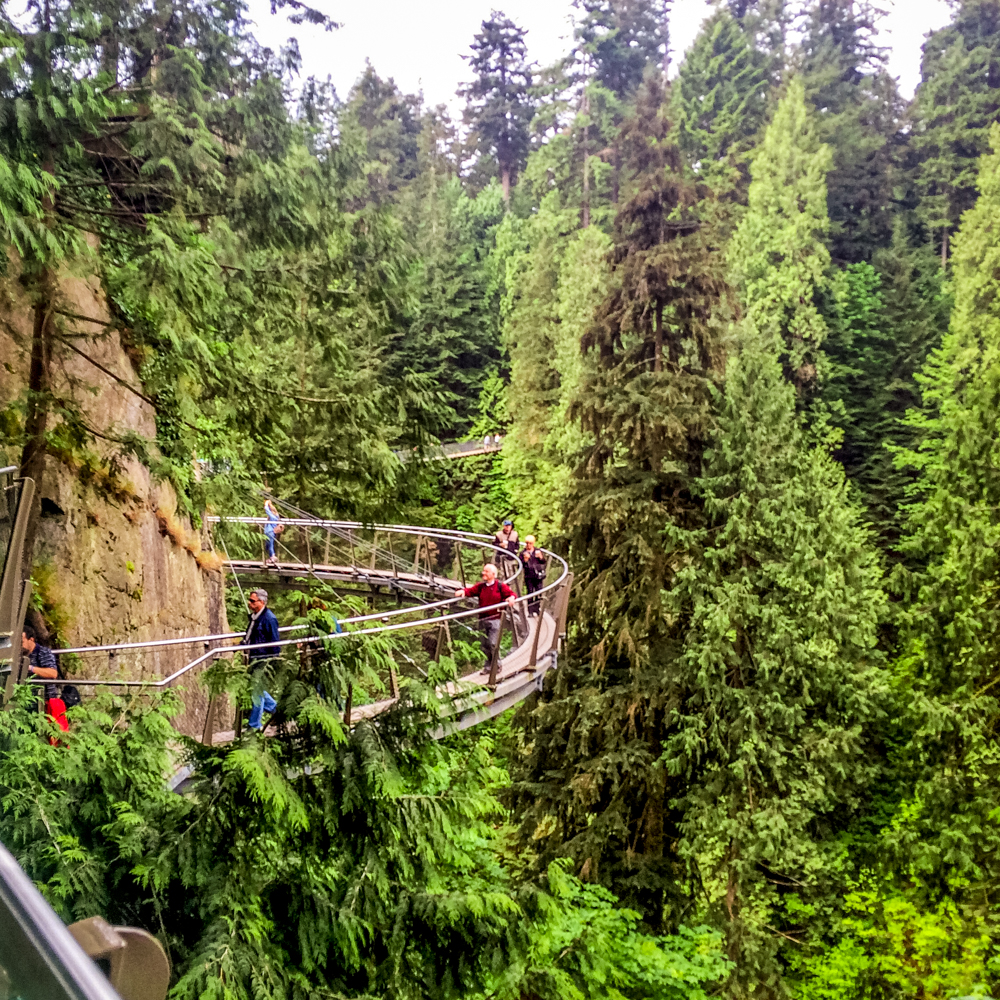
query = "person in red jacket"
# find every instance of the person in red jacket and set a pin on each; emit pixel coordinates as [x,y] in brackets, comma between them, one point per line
[491,593]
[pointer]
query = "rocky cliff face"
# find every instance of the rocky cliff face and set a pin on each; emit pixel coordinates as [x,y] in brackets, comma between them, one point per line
[112,560]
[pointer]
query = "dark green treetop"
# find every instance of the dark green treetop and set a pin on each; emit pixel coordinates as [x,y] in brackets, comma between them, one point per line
[954,108]
[391,125]
[858,111]
[719,101]
[621,38]
[499,105]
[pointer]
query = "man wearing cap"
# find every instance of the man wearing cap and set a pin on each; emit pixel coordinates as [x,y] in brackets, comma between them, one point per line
[491,593]
[506,537]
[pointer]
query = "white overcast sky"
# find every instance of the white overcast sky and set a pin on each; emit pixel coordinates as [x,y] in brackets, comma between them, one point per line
[420,42]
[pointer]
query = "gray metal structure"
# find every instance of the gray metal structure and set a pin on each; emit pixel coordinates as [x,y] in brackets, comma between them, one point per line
[16,495]
[397,560]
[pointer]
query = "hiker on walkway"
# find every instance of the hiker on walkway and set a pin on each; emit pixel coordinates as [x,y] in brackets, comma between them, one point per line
[263,628]
[42,663]
[272,528]
[534,565]
[491,593]
[506,537]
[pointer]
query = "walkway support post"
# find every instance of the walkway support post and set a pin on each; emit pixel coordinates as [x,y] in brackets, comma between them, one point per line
[495,659]
[538,629]
[347,708]
[561,609]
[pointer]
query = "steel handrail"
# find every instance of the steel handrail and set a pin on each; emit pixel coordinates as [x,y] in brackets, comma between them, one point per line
[191,640]
[221,650]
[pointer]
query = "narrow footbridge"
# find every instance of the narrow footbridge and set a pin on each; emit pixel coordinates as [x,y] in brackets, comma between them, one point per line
[407,576]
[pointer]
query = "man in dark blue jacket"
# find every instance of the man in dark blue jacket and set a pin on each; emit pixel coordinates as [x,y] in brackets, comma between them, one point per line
[263,628]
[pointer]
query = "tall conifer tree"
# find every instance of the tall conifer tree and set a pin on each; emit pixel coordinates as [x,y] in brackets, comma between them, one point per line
[778,253]
[955,105]
[719,100]
[778,680]
[952,621]
[589,786]
[500,106]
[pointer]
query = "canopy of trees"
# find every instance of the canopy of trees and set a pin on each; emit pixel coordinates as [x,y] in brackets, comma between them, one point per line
[736,320]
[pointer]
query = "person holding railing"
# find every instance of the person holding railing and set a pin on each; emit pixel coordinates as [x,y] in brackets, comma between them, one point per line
[263,628]
[491,593]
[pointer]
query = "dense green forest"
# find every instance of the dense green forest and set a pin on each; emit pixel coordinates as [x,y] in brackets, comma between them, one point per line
[739,323]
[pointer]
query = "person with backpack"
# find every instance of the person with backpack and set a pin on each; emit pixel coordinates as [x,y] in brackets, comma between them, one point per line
[534,565]
[42,664]
[491,593]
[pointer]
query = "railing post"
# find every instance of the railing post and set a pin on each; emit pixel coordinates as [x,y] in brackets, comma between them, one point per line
[392,556]
[208,733]
[495,659]
[347,707]
[350,538]
[539,618]
[561,609]
[326,549]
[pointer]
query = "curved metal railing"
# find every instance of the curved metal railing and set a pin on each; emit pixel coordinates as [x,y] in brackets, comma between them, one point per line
[329,550]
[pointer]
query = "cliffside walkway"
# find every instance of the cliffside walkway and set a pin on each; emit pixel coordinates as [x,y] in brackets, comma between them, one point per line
[418,568]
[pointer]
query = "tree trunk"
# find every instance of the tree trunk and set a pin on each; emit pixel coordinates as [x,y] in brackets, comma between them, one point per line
[585,213]
[505,183]
[37,417]
[658,339]
[944,248]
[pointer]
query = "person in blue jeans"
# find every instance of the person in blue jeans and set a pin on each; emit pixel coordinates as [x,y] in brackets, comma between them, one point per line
[263,627]
[270,530]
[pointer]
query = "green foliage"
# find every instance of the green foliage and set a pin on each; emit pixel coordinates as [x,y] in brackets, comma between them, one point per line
[857,110]
[582,946]
[882,323]
[955,107]
[719,101]
[949,619]
[778,254]
[894,943]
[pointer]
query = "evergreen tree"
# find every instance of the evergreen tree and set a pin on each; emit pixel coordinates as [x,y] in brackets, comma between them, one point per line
[857,115]
[769,704]
[588,784]
[619,39]
[778,254]
[391,125]
[950,622]
[883,322]
[954,108]
[499,104]
[719,101]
